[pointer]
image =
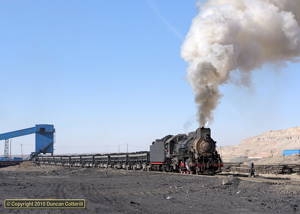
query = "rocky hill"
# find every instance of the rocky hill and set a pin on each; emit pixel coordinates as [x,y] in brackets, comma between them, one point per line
[268,144]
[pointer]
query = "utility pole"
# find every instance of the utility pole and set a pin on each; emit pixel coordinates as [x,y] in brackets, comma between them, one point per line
[10,150]
[118,148]
[22,151]
[127,147]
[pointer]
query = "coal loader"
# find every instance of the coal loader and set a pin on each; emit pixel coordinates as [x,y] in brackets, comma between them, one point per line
[194,153]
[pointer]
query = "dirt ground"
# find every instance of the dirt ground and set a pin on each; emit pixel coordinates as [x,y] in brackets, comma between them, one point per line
[120,191]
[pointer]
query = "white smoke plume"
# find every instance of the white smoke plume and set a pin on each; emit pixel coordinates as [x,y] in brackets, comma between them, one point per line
[187,124]
[240,36]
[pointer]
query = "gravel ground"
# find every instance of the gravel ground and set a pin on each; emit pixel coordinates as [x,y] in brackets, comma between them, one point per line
[120,191]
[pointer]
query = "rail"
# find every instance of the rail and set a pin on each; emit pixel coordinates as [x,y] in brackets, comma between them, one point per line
[263,168]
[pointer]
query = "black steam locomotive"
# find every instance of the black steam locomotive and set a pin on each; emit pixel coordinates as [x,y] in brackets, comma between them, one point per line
[194,153]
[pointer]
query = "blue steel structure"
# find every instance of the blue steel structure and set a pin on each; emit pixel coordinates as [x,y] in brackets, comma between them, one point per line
[4,158]
[291,152]
[44,138]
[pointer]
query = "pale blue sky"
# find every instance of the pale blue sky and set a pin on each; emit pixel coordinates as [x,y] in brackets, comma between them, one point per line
[108,73]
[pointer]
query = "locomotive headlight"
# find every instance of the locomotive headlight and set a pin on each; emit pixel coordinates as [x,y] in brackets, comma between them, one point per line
[207,136]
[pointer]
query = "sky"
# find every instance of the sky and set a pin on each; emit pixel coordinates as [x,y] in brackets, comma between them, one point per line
[109,73]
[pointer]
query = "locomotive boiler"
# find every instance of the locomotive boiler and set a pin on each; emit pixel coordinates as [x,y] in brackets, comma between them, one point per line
[194,153]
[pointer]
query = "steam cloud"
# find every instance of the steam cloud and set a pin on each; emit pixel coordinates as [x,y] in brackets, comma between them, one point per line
[187,124]
[240,36]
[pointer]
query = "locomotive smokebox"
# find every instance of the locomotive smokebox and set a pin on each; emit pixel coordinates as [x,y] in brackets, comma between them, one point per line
[203,142]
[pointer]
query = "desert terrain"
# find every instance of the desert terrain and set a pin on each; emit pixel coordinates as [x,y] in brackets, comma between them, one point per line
[266,145]
[121,191]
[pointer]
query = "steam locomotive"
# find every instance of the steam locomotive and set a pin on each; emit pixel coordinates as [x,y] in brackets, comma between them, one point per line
[194,153]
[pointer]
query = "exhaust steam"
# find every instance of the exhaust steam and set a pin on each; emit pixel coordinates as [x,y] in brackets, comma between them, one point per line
[240,36]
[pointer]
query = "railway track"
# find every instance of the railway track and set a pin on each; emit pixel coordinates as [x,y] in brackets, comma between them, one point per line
[9,163]
[244,177]
[263,169]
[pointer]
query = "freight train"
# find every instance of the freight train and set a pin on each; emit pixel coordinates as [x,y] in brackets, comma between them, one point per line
[194,153]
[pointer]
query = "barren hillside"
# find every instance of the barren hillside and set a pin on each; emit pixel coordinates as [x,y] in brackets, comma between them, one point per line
[268,144]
